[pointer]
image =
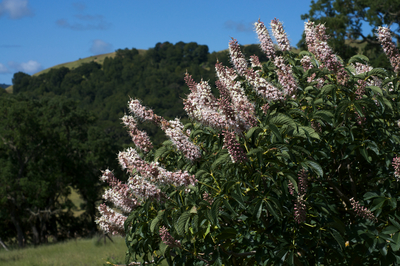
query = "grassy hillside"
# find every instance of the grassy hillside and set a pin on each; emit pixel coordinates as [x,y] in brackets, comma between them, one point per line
[74,64]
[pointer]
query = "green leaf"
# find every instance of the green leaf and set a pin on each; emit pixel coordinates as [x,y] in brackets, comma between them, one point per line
[314,166]
[221,159]
[394,222]
[215,210]
[390,230]
[239,199]
[326,89]
[281,119]
[180,225]
[229,207]
[375,89]
[378,203]
[154,223]
[379,72]
[370,195]
[359,58]
[258,208]
[159,152]
[341,108]
[338,238]
[396,239]
[200,173]
[251,131]
[276,132]
[271,210]
[364,153]
[393,203]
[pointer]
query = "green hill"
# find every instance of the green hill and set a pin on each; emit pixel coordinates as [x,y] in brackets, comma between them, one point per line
[74,64]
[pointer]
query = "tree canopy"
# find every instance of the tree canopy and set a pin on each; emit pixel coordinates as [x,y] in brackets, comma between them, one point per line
[47,147]
[345,19]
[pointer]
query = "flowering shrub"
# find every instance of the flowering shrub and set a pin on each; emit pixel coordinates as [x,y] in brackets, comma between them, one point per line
[295,163]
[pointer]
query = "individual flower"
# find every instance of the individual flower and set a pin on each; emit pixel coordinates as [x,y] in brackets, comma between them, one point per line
[280,35]
[362,211]
[392,53]
[267,46]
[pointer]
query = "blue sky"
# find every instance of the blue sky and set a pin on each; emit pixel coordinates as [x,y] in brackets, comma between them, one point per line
[39,34]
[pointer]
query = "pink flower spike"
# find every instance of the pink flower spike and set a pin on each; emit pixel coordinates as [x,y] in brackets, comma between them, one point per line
[168,239]
[238,60]
[392,53]
[142,112]
[285,76]
[140,138]
[396,166]
[317,44]
[174,130]
[234,149]
[111,221]
[280,35]
[267,46]
[362,211]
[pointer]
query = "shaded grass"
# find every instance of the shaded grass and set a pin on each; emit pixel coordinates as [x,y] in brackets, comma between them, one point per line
[73,252]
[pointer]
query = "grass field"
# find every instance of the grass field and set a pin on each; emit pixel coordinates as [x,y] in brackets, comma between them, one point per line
[82,252]
[74,252]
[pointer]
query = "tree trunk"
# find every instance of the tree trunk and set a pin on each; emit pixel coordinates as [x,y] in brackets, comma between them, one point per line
[36,238]
[15,220]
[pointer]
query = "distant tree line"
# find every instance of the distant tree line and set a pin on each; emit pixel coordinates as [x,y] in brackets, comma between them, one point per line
[4,86]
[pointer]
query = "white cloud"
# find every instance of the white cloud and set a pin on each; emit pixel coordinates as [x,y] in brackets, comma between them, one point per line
[79,6]
[4,69]
[85,22]
[239,26]
[15,9]
[30,67]
[100,47]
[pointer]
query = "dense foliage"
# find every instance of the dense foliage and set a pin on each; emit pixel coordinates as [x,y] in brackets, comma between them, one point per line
[295,163]
[47,147]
